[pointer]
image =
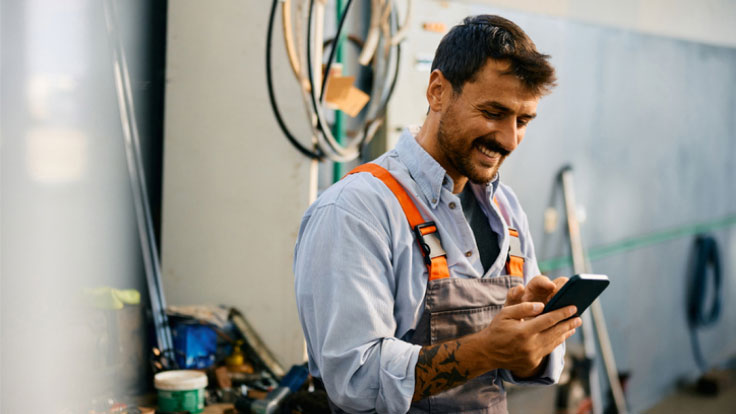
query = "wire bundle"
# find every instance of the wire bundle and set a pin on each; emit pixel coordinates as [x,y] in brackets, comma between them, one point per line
[381,51]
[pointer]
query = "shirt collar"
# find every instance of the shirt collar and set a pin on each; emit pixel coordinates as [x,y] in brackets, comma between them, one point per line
[428,173]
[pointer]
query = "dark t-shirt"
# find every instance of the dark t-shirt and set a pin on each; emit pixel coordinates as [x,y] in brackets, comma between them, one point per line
[485,237]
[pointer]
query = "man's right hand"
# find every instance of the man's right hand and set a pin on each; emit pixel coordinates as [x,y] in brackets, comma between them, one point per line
[519,338]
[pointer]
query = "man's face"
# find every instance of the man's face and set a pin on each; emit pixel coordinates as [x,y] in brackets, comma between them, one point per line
[483,124]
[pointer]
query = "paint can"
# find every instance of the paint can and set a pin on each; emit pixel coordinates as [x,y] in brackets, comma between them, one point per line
[181,390]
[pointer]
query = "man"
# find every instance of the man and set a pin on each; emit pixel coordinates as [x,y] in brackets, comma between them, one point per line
[435,317]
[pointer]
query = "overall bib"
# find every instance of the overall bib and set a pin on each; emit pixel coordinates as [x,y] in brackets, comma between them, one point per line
[454,307]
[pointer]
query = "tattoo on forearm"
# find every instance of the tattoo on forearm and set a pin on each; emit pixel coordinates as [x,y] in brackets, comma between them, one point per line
[438,370]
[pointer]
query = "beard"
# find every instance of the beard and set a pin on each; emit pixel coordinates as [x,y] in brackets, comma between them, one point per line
[459,154]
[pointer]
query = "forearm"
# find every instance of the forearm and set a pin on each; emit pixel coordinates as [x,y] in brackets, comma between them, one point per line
[449,364]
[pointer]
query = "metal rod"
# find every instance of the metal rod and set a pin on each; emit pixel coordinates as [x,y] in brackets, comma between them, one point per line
[581,265]
[136,172]
[578,264]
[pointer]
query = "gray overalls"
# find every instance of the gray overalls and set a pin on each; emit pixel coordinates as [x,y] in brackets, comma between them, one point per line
[455,307]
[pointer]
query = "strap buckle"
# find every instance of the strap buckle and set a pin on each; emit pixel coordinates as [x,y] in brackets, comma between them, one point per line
[514,243]
[429,241]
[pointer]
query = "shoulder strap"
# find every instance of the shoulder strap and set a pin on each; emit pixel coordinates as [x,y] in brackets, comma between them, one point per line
[426,232]
[514,260]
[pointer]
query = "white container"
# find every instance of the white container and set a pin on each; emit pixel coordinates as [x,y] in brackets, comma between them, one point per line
[181,390]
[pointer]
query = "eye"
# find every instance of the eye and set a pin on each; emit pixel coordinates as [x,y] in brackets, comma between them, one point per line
[522,122]
[492,115]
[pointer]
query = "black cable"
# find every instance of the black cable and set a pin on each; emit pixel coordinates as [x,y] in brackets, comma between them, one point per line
[315,154]
[333,51]
[706,257]
[322,124]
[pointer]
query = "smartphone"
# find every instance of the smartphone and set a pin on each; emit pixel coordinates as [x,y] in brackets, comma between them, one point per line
[580,290]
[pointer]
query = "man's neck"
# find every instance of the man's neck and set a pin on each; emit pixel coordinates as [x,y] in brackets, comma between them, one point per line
[427,139]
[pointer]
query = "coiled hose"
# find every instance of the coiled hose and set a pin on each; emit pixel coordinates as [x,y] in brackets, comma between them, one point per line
[706,257]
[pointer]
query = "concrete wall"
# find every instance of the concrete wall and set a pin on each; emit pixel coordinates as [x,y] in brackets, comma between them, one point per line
[234,188]
[707,21]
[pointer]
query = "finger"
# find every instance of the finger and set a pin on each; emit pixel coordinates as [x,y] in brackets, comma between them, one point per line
[550,319]
[539,289]
[553,337]
[558,282]
[514,295]
[557,341]
[563,327]
[522,310]
[541,284]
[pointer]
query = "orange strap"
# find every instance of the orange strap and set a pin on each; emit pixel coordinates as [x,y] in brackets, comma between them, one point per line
[514,261]
[436,261]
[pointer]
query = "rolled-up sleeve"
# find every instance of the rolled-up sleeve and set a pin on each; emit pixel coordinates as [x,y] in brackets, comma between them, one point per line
[345,291]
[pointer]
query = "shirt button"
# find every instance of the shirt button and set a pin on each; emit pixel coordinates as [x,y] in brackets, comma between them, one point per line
[452,205]
[434,200]
[468,253]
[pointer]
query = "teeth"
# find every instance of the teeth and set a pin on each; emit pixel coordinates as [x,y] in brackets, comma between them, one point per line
[485,150]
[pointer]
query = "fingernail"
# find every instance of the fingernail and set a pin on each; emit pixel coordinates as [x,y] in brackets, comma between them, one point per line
[538,307]
[578,322]
[572,310]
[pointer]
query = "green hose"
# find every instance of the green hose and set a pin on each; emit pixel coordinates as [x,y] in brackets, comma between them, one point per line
[338,129]
[632,243]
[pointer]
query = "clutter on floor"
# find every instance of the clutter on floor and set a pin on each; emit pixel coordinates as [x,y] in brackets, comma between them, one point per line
[220,366]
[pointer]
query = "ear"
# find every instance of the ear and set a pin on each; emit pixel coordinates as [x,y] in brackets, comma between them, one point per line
[439,91]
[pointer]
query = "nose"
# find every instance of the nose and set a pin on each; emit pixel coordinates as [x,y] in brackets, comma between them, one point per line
[508,134]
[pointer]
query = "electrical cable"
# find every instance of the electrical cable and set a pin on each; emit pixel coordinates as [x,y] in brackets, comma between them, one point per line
[400,34]
[333,51]
[317,154]
[706,257]
[325,144]
[341,153]
[289,37]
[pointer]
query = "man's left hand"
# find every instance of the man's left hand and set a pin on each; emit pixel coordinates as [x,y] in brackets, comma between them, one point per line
[539,289]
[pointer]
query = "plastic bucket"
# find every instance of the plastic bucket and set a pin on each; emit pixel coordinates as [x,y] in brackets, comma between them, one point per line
[181,390]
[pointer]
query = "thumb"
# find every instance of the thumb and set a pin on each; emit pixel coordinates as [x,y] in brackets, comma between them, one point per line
[522,310]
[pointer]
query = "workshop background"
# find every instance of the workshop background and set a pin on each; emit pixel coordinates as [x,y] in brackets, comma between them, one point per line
[644,112]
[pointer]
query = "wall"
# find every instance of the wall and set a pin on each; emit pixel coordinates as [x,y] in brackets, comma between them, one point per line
[234,188]
[706,21]
[648,124]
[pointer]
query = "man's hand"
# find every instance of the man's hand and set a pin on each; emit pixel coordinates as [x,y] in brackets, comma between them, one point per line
[539,289]
[519,338]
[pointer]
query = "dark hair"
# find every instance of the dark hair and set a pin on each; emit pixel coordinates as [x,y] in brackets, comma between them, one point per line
[468,46]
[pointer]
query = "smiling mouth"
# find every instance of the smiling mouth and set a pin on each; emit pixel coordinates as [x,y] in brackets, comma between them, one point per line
[487,151]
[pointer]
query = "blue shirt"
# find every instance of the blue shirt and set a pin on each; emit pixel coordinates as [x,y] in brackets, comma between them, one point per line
[360,277]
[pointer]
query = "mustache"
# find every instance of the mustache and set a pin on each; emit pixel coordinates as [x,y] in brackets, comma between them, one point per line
[492,144]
